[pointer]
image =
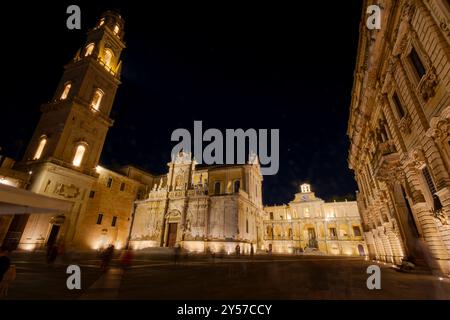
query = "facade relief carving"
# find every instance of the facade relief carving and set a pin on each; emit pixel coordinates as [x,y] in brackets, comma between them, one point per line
[67,191]
[405,124]
[428,84]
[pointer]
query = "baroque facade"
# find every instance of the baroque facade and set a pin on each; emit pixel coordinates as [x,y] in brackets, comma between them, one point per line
[399,133]
[310,224]
[214,208]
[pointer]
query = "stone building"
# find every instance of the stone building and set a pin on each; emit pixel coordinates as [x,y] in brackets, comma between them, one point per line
[212,208]
[399,132]
[200,208]
[61,160]
[310,224]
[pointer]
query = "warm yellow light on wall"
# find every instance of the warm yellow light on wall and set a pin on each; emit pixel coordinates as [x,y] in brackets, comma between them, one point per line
[97,99]
[79,154]
[116,29]
[107,58]
[40,149]
[89,49]
[66,91]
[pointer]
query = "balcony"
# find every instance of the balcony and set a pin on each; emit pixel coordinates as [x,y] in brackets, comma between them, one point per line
[386,158]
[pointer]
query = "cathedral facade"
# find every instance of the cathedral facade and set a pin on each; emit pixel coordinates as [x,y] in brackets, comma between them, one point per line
[214,208]
[399,133]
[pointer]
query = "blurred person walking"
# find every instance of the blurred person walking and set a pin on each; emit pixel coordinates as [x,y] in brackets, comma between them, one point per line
[7,271]
[106,257]
[5,261]
[126,259]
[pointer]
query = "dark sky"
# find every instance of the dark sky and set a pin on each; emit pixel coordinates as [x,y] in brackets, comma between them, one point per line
[258,66]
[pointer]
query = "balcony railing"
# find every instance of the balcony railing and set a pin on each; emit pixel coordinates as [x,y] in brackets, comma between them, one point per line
[385,158]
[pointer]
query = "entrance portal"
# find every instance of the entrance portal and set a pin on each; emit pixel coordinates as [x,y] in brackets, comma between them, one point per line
[172,235]
[312,243]
[15,231]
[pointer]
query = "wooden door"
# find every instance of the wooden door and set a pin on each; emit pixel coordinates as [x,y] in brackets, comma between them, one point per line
[172,235]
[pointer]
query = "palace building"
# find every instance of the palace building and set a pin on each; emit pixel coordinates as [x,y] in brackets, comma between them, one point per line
[59,194]
[310,224]
[399,133]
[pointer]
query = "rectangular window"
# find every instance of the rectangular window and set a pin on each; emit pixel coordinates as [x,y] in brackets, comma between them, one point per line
[417,63]
[114,221]
[217,188]
[109,183]
[122,186]
[100,218]
[356,231]
[237,186]
[271,215]
[92,194]
[333,233]
[246,226]
[427,175]
[398,106]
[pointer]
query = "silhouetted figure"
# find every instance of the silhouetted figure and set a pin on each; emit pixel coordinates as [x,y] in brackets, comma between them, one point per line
[238,250]
[52,254]
[126,259]
[8,277]
[177,254]
[5,261]
[106,257]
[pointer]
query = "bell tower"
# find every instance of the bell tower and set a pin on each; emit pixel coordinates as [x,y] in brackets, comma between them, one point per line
[73,125]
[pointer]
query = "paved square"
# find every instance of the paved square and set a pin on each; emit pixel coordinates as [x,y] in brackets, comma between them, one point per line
[261,277]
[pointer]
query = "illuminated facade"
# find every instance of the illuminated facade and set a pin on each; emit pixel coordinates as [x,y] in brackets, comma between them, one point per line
[214,208]
[200,208]
[399,133]
[309,224]
[64,151]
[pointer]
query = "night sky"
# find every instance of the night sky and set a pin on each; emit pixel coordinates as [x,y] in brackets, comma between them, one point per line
[261,66]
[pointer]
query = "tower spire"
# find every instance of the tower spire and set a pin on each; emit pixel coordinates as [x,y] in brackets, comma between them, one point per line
[73,126]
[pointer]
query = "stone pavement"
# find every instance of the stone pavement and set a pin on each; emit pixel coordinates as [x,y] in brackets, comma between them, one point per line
[261,277]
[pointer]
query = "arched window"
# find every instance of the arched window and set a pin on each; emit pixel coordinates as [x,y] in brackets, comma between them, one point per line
[107,58]
[217,188]
[79,155]
[97,99]
[40,148]
[237,186]
[89,49]
[66,91]
[116,29]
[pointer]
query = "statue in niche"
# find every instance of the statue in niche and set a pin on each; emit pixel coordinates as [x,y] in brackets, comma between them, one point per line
[179,182]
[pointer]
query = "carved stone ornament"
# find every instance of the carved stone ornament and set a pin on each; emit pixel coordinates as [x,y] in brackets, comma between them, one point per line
[427,86]
[67,191]
[405,124]
[183,158]
[418,158]
[440,126]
